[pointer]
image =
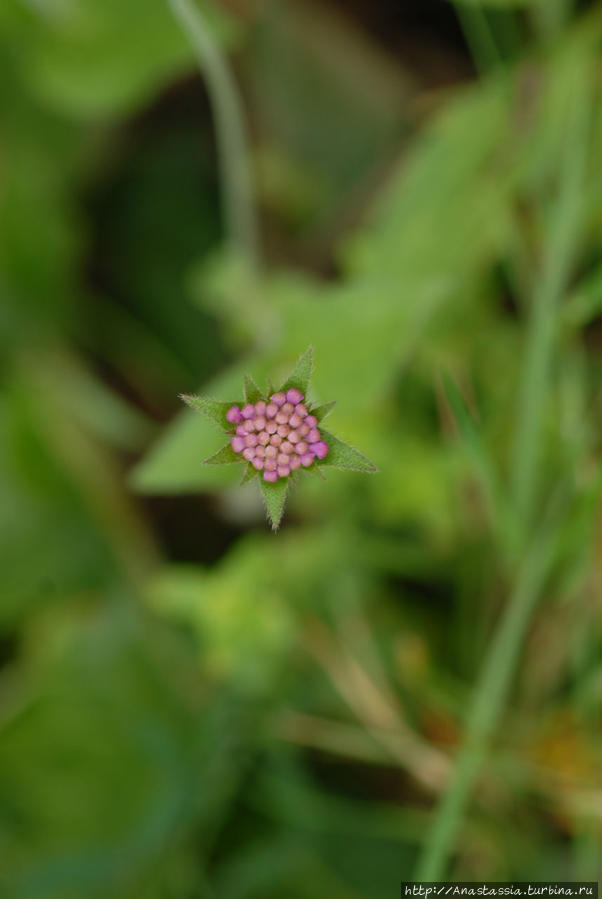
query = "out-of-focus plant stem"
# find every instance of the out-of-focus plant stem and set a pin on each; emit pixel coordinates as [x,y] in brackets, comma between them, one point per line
[232,144]
[543,324]
[499,665]
[479,36]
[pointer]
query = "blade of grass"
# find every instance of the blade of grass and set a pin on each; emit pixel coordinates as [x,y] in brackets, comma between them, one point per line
[544,315]
[496,676]
[487,704]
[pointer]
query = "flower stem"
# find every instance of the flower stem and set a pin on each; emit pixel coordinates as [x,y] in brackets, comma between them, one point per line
[232,145]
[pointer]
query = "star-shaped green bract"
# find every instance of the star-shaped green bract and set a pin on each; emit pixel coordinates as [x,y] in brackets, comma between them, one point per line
[338,454]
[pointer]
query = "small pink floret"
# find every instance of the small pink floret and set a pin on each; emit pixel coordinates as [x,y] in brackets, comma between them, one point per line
[287,447]
[271,476]
[264,438]
[283,471]
[311,421]
[288,409]
[313,436]
[241,431]
[233,415]
[270,465]
[320,449]
[238,444]
[302,448]
[271,427]
[276,440]
[248,411]
[282,459]
[251,440]
[295,420]
[248,453]
[257,464]
[271,410]
[303,431]
[271,452]
[260,408]
[294,396]
[249,425]
[283,430]
[307,459]
[259,452]
[301,410]
[259,423]
[278,398]
[294,462]
[282,418]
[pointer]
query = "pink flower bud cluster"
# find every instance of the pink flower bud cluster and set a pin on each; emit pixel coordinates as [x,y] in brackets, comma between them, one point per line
[278,436]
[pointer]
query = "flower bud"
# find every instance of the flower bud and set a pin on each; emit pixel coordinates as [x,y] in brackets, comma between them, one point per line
[281,418]
[248,411]
[271,410]
[260,408]
[271,452]
[283,471]
[241,430]
[257,464]
[271,427]
[270,476]
[311,421]
[287,447]
[302,448]
[288,409]
[295,420]
[307,459]
[248,453]
[294,396]
[270,465]
[303,431]
[294,462]
[238,444]
[263,438]
[301,410]
[259,423]
[278,398]
[283,430]
[249,425]
[293,437]
[251,440]
[313,436]
[282,459]
[259,452]
[276,440]
[320,449]
[233,415]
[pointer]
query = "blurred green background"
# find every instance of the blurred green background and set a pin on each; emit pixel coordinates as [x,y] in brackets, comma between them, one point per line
[406,679]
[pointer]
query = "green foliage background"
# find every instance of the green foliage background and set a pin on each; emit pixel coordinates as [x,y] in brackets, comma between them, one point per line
[190,705]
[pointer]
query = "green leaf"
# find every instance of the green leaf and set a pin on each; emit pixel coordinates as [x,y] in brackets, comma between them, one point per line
[274,496]
[322,411]
[344,457]
[224,456]
[213,409]
[301,374]
[249,474]
[252,391]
